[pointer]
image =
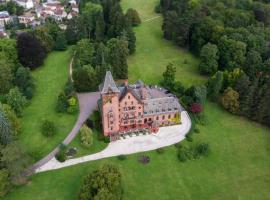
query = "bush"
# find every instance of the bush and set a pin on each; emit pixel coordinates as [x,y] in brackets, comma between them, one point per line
[184,154]
[158,8]
[62,102]
[107,139]
[193,152]
[61,155]
[160,150]
[201,149]
[86,136]
[48,128]
[144,159]
[122,157]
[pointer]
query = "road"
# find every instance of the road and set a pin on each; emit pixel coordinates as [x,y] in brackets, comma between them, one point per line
[87,103]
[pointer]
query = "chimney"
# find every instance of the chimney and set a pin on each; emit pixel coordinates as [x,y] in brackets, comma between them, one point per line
[126,82]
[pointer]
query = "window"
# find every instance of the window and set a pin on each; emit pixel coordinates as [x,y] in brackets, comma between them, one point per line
[111,128]
[139,107]
[110,101]
[157,118]
[163,117]
[175,115]
[149,119]
[145,120]
[128,97]
[140,113]
[131,102]
[169,117]
[125,103]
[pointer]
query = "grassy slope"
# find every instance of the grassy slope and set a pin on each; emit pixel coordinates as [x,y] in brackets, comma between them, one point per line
[153,53]
[50,80]
[237,168]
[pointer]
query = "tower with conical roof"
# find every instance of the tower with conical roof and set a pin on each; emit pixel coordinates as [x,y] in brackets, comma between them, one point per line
[110,105]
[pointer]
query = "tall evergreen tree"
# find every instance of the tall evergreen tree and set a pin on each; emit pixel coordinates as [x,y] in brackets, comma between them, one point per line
[118,52]
[5,130]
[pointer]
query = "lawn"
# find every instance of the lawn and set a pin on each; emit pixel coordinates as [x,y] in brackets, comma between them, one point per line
[153,53]
[49,80]
[237,167]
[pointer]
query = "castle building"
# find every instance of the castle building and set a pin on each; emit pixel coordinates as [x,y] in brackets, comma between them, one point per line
[133,108]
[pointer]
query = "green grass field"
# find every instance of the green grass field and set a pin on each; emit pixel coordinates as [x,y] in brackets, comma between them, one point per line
[153,53]
[237,168]
[49,80]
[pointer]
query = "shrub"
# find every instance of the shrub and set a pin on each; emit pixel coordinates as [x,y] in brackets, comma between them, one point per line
[182,155]
[86,136]
[107,139]
[61,155]
[144,159]
[62,102]
[89,123]
[133,16]
[122,157]
[48,128]
[160,150]
[201,149]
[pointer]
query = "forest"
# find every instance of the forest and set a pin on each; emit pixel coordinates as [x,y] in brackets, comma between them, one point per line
[232,39]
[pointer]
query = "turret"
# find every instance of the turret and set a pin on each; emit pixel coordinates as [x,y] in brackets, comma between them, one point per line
[110,105]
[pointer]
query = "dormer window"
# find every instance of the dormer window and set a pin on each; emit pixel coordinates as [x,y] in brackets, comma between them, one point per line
[128,97]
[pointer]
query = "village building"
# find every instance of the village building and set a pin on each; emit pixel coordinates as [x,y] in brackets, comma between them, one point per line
[26,4]
[134,108]
[4,18]
[27,19]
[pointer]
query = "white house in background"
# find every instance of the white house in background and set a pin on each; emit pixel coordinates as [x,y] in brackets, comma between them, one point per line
[27,4]
[4,18]
[27,18]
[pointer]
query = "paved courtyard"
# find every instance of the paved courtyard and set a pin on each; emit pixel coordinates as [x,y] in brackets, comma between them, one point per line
[166,136]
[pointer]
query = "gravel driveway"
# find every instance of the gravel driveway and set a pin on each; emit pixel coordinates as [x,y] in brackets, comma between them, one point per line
[166,136]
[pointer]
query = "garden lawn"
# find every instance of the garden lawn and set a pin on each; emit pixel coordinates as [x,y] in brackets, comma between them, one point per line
[49,80]
[97,146]
[153,53]
[237,168]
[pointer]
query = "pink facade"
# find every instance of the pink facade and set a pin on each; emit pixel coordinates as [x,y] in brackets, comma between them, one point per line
[136,107]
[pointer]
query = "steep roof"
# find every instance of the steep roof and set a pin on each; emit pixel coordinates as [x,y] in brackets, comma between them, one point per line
[109,84]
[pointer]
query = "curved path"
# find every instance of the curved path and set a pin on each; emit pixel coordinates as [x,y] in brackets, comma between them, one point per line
[87,103]
[166,136]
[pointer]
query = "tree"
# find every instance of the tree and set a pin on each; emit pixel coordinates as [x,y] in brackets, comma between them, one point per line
[72,31]
[60,42]
[15,126]
[43,35]
[196,108]
[169,76]
[209,59]
[232,53]
[131,39]
[5,132]
[118,52]
[253,63]
[117,21]
[229,100]
[84,52]
[16,161]
[86,136]
[214,86]
[16,101]
[133,17]
[62,102]
[102,183]
[24,81]
[92,17]
[85,79]
[6,77]
[9,52]
[4,182]
[30,51]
